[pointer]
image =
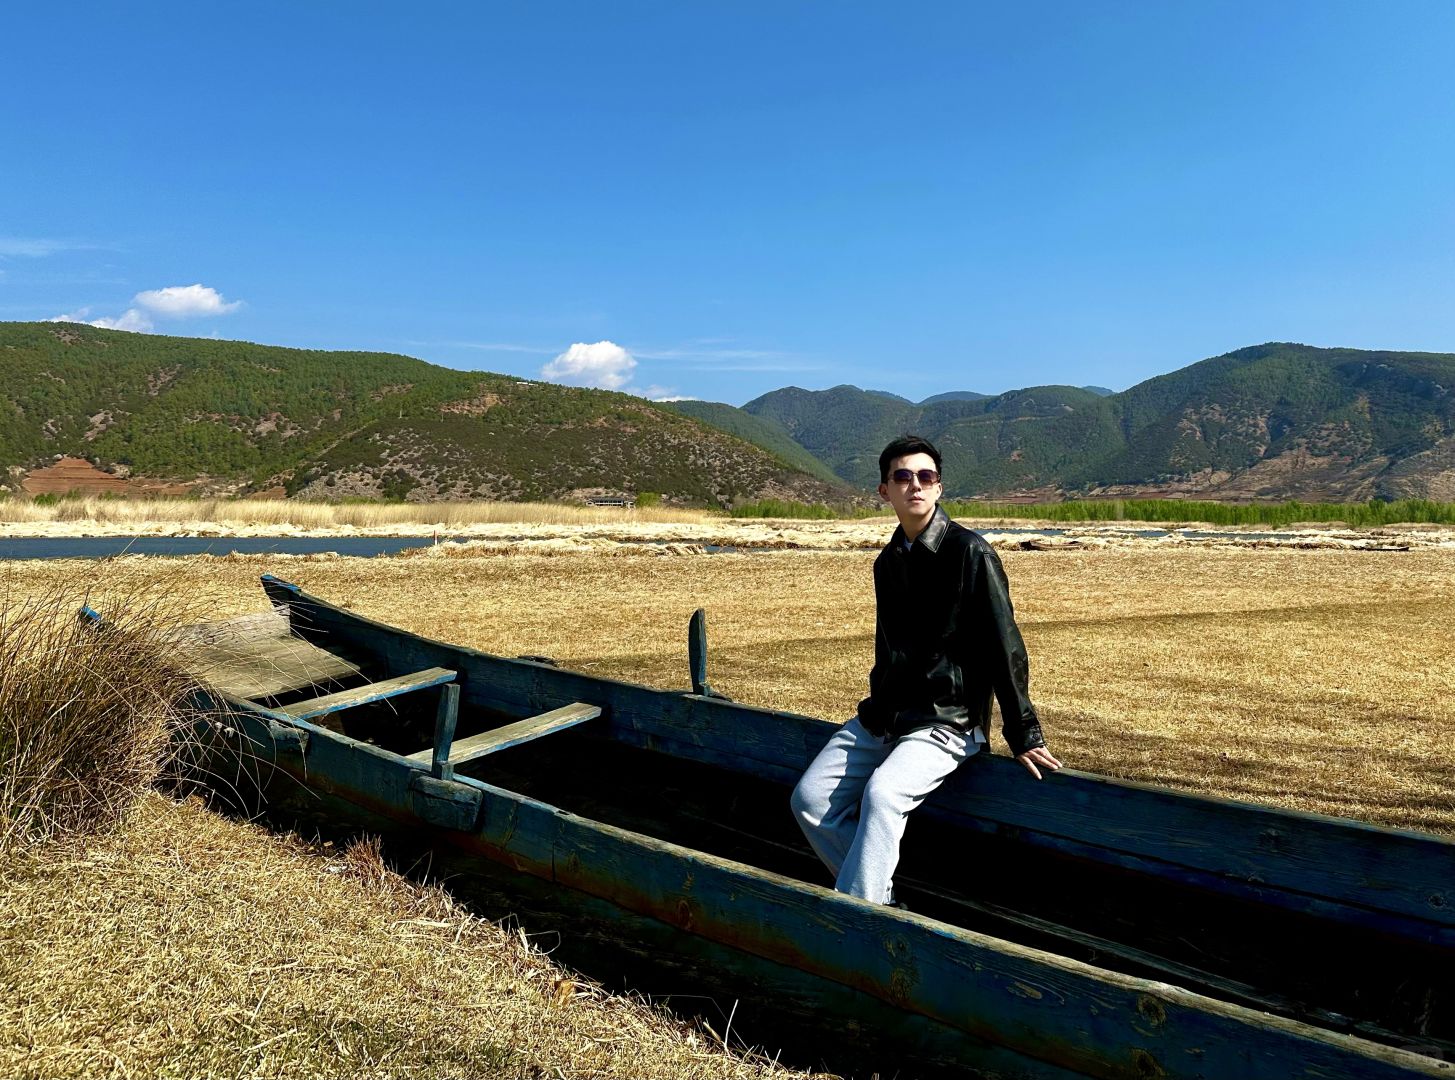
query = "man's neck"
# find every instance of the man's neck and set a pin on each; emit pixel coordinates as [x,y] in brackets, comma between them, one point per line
[912,528]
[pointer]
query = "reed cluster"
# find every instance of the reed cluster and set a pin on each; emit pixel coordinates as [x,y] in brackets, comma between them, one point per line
[322,515]
[88,708]
[786,508]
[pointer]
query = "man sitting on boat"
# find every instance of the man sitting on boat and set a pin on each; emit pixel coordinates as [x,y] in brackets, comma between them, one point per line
[945,640]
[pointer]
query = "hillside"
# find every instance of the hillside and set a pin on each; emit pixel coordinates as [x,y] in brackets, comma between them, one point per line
[1006,443]
[200,414]
[759,431]
[1272,421]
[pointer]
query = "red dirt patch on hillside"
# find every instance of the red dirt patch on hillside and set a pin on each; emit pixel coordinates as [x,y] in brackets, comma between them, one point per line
[73,474]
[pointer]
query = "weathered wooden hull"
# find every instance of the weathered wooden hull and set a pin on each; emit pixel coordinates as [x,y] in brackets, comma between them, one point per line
[966,998]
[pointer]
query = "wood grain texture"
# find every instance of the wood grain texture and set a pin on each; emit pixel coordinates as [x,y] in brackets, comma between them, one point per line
[368,693]
[267,667]
[522,731]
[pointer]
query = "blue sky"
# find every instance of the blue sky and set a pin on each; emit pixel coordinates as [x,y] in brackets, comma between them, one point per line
[715,200]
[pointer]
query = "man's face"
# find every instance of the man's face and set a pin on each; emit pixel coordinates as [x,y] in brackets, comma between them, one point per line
[912,501]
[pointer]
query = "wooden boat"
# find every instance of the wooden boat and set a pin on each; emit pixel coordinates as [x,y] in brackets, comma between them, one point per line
[1078,927]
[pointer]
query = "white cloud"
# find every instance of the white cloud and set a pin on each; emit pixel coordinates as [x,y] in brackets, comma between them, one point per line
[604,365]
[660,393]
[131,319]
[172,302]
[185,302]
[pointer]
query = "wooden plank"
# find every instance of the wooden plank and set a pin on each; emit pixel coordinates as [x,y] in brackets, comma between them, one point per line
[254,626]
[267,667]
[697,650]
[446,716]
[522,731]
[368,693]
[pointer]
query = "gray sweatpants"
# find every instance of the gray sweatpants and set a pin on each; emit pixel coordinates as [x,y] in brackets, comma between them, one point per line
[852,800]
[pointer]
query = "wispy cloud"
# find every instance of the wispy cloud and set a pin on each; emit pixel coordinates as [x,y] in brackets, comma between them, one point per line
[171,302]
[131,319]
[706,354]
[34,247]
[483,346]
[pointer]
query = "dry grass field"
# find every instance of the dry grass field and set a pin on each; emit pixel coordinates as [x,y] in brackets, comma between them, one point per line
[146,514]
[1322,680]
[188,944]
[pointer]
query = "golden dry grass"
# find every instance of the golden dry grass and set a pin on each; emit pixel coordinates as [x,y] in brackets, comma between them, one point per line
[87,710]
[1320,680]
[190,945]
[312,515]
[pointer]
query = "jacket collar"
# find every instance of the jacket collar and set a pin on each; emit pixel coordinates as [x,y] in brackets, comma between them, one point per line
[932,533]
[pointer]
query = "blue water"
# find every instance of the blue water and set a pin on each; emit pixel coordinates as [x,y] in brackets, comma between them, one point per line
[105,547]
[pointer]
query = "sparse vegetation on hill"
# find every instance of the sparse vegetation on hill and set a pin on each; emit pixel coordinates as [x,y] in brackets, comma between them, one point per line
[1270,422]
[758,430]
[336,424]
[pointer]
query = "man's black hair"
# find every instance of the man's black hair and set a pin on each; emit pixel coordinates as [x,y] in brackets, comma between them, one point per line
[903,447]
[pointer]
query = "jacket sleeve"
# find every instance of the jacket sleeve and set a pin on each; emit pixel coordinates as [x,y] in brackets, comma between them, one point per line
[873,712]
[1000,647]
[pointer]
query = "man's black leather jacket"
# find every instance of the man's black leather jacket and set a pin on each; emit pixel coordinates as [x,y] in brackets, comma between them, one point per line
[946,639]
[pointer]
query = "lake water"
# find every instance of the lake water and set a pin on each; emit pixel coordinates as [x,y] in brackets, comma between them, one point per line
[105,547]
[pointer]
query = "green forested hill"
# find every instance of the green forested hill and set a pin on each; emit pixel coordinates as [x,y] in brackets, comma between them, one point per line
[759,431]
[1273,421]
[340,423]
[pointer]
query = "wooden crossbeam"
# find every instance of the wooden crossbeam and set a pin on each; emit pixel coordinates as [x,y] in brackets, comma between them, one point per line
[522,731]
[369,692]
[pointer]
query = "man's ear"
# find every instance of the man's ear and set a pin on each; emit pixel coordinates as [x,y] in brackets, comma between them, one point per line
[884,492]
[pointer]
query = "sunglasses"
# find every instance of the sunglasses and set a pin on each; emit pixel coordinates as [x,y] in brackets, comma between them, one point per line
[926,476]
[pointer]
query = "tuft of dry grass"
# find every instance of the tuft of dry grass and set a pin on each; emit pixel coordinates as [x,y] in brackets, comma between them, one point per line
[188,944]
[87,710]
[317,515]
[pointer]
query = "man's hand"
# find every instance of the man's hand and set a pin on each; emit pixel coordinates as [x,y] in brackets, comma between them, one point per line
[1038,755]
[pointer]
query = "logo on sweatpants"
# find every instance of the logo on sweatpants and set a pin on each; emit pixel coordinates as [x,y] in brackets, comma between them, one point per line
[940,735]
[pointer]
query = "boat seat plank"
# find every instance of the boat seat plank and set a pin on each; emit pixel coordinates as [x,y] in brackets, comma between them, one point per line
[266,667]
[368,693]
[522,731]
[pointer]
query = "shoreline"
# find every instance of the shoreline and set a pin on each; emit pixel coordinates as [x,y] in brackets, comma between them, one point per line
[754,535]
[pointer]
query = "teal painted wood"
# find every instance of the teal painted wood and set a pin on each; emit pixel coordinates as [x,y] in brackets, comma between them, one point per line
[446,717]
[522,731]
[1067,1015]
[368,694]
[697,650]
[1402,882]
[760,743]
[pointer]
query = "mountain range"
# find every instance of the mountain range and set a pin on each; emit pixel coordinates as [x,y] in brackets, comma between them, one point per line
[1274,421]
[144,412]
[140,413]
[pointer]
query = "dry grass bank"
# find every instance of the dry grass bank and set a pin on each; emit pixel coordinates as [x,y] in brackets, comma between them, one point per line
[142,513]
[190,945]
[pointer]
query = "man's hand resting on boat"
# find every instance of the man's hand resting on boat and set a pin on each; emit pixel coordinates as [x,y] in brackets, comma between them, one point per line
[1038,755]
